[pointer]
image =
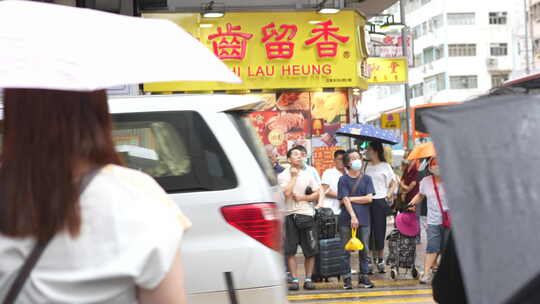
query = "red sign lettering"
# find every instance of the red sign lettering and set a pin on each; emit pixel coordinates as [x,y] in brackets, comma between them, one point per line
[231,44]
[279,48]
[326,48]
[393,66]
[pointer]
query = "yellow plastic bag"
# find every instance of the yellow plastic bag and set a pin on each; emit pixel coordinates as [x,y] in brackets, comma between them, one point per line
[354,244]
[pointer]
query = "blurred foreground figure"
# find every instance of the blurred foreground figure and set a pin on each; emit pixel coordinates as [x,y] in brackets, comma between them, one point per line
[107,234]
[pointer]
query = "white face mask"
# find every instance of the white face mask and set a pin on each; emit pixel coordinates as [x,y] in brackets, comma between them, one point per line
[356,165]
[435,171]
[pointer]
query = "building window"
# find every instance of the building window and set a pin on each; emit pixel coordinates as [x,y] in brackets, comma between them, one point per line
[434,84]
[417,32]
[460,19]
[417,90]
[418,60]
[498,79]
[433,53]
[498,49]
[425,27]
[437,22]
[464,82]
[497,18]
[461,50]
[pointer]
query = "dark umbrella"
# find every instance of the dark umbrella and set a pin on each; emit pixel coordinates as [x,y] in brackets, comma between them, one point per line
[488,150]
[367,132]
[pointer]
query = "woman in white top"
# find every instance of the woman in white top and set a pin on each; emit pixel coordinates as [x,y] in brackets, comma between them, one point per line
[384,180]
[117,242]
[432,188]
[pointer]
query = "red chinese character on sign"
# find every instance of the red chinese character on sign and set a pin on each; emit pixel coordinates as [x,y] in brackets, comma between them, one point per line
[279,48]
[326,48]
[231,44]
[394,65]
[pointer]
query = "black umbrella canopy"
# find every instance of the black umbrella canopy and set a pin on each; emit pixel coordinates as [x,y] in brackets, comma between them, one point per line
[489,152]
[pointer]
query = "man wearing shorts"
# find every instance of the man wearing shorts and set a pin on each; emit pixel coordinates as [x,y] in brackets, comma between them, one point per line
[300,188]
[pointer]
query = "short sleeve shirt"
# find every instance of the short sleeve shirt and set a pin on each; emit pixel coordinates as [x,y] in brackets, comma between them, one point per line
[314,173]
[305,179]
[345,189]
[331,178]
[434,212]
[130,234]
[382,175]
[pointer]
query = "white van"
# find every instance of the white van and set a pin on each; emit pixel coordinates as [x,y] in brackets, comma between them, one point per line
[204,152]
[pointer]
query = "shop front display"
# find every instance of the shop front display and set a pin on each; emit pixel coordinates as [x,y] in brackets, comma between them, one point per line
[304,65]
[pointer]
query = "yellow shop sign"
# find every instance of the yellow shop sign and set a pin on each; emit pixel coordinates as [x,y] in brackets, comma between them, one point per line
[387,70]
[283,50]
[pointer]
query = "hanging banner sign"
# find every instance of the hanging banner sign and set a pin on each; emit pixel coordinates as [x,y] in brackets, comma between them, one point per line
[387,70]
[277,50]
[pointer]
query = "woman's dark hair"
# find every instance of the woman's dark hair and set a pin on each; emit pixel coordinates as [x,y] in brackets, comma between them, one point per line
[51,139]
[379,149]
[347,157]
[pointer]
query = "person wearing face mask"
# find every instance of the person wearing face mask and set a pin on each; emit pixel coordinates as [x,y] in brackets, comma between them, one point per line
[355,191]
[385,182]
[431,187]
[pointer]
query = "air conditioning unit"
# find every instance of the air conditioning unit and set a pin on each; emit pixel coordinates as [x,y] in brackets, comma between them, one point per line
[492,64]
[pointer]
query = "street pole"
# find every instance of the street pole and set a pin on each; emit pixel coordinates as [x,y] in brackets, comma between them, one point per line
[527,62]
[404,37]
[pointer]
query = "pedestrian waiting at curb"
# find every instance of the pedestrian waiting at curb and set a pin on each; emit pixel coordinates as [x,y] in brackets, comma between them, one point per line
[299,188]
[385,183]
[355,190]
[432,188]
[330,180]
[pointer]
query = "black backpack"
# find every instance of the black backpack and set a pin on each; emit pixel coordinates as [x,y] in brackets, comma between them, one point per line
[326,223]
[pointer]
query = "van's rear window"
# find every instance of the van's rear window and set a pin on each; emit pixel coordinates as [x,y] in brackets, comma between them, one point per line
[176,148]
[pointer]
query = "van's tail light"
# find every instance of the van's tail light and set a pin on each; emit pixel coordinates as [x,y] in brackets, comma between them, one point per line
[260,221]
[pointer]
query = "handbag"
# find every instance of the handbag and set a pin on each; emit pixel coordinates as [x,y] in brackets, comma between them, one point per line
[303,221]
[447,221]
[36,253]
[354,244]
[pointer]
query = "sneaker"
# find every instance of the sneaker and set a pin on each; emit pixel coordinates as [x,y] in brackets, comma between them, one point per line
[426,278]
[294,286]
[365,282]
[308,285]
[381,266]
[347,283]
[289,278]
[370,268]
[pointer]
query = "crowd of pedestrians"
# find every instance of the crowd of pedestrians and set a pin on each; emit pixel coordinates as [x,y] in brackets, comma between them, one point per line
[362,190]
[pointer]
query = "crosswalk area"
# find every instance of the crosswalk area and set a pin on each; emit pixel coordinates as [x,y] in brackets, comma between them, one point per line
[386,292]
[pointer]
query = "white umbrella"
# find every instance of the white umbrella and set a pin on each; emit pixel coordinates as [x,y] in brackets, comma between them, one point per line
[48,46]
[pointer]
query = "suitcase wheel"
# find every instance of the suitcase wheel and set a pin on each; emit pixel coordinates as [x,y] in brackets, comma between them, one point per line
[393,274]
[414,273]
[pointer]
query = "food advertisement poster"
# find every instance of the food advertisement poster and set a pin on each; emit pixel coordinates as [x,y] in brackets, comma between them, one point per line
[323,158]
[310,119]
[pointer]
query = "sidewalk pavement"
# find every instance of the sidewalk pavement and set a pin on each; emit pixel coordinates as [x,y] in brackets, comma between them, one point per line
[420,253]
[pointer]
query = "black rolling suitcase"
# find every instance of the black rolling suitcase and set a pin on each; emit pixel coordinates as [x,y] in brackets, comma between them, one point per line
[328,263]
[326,223]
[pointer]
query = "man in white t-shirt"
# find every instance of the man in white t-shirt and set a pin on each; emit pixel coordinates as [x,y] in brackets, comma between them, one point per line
[299,188]
[329,183]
